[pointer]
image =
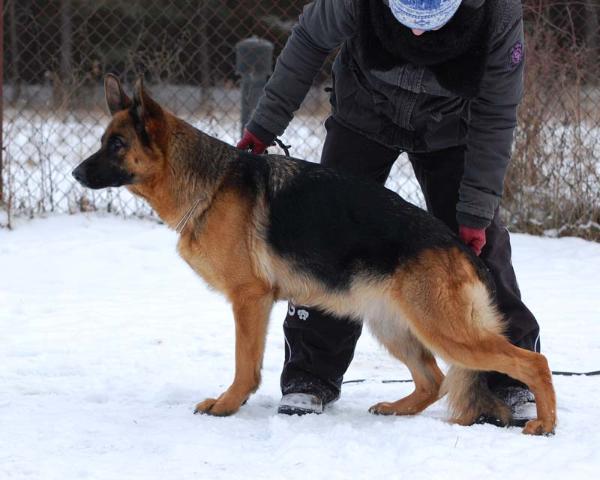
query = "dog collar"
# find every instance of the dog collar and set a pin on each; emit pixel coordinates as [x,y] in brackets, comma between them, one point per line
[185,219]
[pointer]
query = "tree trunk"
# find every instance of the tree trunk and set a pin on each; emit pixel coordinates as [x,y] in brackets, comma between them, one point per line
[14,52]
[205,78]
[66,40]
[64,78]
[592,30]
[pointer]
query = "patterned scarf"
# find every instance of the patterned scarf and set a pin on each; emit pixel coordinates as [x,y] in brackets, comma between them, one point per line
[456,53]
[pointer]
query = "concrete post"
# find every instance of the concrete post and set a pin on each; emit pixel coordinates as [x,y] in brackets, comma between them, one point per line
[254,62]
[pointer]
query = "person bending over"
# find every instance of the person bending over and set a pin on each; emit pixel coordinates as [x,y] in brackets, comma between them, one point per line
[440,80]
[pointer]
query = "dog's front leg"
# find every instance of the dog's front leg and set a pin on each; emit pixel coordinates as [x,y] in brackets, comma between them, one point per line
[251,310]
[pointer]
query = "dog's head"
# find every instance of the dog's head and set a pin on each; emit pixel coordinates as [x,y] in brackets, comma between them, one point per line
[131,150]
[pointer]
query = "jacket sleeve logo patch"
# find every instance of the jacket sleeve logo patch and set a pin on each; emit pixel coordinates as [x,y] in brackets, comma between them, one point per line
[516,54]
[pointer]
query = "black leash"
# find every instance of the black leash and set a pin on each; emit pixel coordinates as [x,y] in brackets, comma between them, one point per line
[284,147]
[577,374]
[558,373]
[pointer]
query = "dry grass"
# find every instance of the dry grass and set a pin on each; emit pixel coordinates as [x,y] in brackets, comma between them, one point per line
[553,184]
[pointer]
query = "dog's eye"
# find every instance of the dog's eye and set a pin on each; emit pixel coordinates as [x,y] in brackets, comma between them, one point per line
[115,144]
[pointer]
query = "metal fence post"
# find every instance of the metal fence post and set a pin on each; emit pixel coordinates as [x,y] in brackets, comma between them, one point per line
[1,99]
[254,62]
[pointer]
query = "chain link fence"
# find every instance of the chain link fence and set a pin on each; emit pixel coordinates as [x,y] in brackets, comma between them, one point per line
[56,53]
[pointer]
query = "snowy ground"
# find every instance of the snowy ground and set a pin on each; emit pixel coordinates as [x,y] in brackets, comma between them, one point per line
[108,341]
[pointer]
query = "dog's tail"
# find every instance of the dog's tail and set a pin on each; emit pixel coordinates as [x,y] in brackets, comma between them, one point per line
[470,399]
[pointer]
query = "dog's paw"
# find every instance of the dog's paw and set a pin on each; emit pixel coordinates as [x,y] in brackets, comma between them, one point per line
[205,406]
[539,427]
[405,406]
[218,407]
[383,408]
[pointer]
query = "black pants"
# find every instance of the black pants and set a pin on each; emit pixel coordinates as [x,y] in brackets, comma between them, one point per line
[319,347]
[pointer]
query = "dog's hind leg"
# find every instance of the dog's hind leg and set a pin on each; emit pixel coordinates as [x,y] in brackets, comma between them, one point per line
[449,309]
[496,353]
[403,345]
[251,309]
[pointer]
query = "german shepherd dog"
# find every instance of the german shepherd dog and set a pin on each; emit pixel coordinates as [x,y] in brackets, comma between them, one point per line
[261,228]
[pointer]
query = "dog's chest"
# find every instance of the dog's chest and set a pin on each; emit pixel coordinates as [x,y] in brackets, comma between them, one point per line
[218,252]
[206,264]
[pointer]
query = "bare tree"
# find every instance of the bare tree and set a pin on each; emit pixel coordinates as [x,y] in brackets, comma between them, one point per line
[205,80]
[62,79]
[66,40]
[592,26]
[14,52]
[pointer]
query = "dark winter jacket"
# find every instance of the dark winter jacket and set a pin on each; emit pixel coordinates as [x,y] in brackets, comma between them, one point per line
[409,101]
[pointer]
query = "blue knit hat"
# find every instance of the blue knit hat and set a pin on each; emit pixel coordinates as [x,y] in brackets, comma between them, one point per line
[424,14]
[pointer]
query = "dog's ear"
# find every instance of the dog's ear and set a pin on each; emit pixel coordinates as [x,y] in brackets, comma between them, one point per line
[148,114]
[145,108]
[115,96]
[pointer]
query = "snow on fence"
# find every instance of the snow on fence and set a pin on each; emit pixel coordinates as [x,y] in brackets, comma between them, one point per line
[57,51]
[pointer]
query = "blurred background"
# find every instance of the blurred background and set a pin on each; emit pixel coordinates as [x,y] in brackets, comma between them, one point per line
[56,52]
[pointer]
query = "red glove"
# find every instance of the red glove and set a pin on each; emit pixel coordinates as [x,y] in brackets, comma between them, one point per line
[250,141]
[473,237]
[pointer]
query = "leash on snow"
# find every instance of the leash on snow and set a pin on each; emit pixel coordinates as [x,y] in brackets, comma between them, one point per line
[286,149]
[577,374]
[557,373]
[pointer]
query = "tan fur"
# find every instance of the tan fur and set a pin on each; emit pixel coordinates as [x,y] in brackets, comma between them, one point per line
[434,304]
[428,378]
[469,397]
[455,320]
[221,255]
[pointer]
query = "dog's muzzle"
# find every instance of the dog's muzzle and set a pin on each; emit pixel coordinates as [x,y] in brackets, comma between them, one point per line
[79,175]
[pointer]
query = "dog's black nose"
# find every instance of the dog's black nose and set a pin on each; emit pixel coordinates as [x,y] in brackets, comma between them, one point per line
[79,174]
